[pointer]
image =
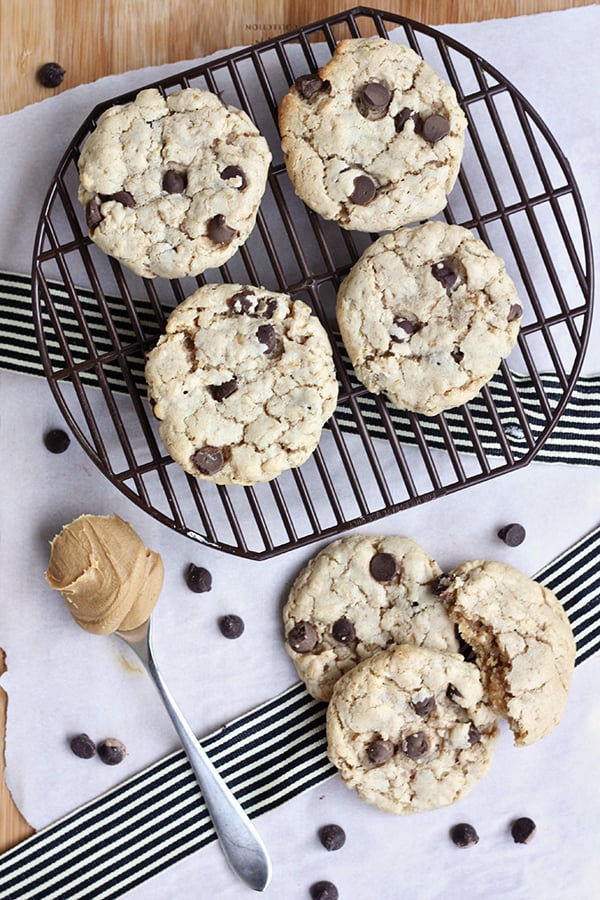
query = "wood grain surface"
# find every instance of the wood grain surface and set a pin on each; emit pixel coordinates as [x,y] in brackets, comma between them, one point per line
[93,38]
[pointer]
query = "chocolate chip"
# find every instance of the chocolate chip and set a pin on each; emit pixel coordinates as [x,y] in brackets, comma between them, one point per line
[474,735]
[445,273]
[364,190]
[515,312]
[452,692]
[111,751]
[424,707]
[383,567]
[374,98]
[50,75]
[302,637]
[464,835]
[457,355]
[124,198]
[231,626]
[324,890]
[266,335]
[198,579]
[309,85]
[220,392]
[406,328]
[416,745]
[174,182]
[434,128]
[83,746]
[401,118]
[56,440]
[512,535]
[208,460]
[93,216]
[523,830]
[243,302]
[441,584]
[465,650]
[271,308]
[333,837]
[343,631]
[230,172]
[379,751]
[219,231]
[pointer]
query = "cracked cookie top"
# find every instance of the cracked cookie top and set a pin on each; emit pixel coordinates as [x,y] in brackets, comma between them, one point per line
[171,185]
[523,641]
[427,314]
[242,383]
[374,140]
[410,729]
[357,595]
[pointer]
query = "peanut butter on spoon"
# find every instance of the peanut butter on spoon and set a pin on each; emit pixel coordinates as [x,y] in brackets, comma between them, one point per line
[108,578]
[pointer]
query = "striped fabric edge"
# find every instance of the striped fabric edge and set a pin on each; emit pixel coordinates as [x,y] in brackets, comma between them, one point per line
[268,756]
[575,439]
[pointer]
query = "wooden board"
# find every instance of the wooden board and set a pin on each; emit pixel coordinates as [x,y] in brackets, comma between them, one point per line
[91,39]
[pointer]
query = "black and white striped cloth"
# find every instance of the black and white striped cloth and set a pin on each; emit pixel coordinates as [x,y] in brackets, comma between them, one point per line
[267,757]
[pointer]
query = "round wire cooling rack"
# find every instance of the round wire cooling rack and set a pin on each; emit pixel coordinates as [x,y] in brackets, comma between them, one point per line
[95,320]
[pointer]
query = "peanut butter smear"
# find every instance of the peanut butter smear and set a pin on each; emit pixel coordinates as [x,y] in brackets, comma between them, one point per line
[108,578]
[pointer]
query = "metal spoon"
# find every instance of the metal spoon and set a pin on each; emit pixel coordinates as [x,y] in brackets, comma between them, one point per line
[239,840]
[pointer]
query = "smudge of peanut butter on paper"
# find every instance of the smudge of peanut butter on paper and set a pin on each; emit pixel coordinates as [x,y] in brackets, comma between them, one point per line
[13,827]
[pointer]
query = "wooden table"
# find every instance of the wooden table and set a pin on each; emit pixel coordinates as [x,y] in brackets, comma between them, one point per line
[91,39]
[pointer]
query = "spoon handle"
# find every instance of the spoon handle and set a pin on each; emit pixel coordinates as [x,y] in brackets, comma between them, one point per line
[239,840]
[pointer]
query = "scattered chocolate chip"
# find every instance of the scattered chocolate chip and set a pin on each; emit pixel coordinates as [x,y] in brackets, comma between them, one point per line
[309,85]
[383,566]
[219,231]
[174,182]
[56,440]
[93,216]
[445,273]
[512,535]
[270,308]
[243,302]
[333,837]
[231,626]
[124,198]
[50,75]
[111,751]
[83,746]
[364,190]
[464,835]
[324,890]
[474,735]
[523,830]
[406,328]
[515,312]
[441,584]
[457,355]
[401,118]
[198,579]
[208,460]
[374,98]
[230,172]
[343,631]
[434,128]
[302,637]
[220,392]
[267,336]
[424,707]
[452,692]
[379,751]
[416,745]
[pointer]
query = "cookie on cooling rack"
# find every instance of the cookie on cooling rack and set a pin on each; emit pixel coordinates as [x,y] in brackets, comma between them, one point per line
[410,729]
[171,185]
[426,315]
[359,594]
[523,640]
[375,139]
[242,382]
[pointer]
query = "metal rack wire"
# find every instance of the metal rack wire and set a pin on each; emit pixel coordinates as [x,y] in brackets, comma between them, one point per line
[95,320]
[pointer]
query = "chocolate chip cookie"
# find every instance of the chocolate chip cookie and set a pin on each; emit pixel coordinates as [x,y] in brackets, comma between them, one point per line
[374,140]
[171,185]
[357,595]
[426,315]
[242,383]
[523,641]
[410,729]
